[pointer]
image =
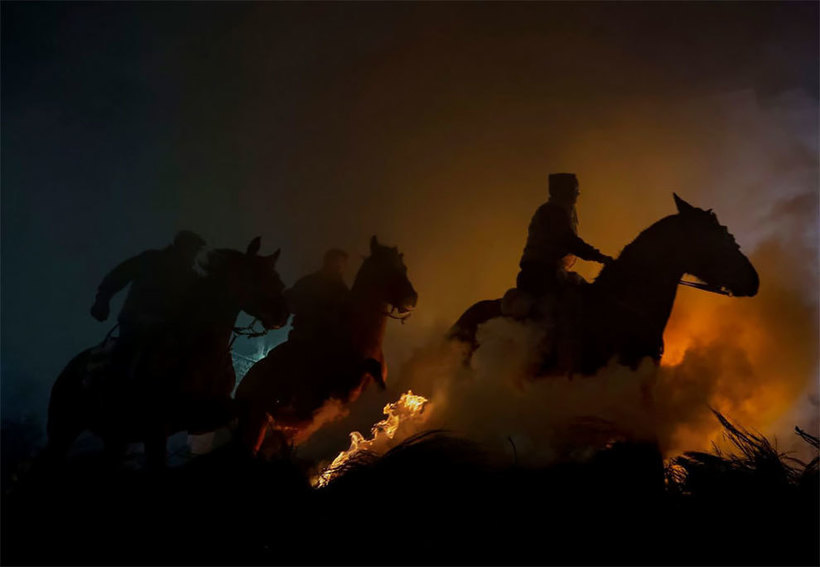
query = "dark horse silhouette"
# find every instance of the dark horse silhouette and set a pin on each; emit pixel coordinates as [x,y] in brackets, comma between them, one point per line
[184,379]
[298,385]
[623,313]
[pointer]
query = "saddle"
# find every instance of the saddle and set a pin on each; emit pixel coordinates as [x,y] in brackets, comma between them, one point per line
[522,305]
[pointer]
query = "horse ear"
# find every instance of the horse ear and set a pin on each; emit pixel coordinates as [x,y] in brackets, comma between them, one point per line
[275,256]
[254,246]
[683,206]
[374,244]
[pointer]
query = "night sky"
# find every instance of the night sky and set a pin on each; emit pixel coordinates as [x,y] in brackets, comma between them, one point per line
[432,125]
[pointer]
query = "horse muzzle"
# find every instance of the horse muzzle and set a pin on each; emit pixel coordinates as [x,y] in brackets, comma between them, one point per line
[407,304]
[749,285]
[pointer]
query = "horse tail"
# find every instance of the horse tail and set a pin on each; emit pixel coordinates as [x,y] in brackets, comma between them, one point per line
[467,325]
[68,406]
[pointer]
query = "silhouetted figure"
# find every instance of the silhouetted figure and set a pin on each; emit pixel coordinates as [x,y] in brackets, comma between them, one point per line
[160,280]
[552,245]
[623,313]
[302,384]
[318,301]
[553,241]
[182,376]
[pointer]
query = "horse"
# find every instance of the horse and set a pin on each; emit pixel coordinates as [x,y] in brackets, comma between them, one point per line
[183,380]
[623,313]
[300,385]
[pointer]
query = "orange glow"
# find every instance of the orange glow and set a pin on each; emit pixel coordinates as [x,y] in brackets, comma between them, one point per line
[735,356]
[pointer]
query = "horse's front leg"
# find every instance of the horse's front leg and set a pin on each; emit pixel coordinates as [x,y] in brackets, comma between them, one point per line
[252,426]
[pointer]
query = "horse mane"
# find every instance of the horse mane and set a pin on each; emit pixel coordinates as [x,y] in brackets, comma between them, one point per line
[362,274]
[656,235]
[366,270]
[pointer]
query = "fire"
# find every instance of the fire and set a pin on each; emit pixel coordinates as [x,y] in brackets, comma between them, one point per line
[408,409]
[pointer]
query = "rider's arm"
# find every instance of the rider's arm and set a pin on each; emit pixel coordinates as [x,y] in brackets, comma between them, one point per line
[585,251]
[122,275]
[117,279]
[576,245]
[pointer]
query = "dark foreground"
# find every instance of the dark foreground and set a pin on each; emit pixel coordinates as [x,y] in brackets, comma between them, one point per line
[431,501]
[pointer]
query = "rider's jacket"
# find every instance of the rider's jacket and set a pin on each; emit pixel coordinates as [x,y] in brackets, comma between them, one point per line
[160,281]
[318,302]
[552,239]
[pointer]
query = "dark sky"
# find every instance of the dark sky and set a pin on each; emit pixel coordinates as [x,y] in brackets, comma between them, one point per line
[319,124]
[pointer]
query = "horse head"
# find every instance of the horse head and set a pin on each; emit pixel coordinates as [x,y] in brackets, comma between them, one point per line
[261,293]
[709,252]
[251,282]
[385,276]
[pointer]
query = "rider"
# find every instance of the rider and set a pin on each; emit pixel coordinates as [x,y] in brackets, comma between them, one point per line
[160,280]
[319,300]
[553,240]
[552,244]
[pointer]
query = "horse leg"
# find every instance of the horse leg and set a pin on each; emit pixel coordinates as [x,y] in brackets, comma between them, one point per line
[262,431]
[67,410]
[466,327]
[61,437]
[272,442]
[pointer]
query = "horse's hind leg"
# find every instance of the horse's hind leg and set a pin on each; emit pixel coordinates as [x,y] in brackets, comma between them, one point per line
[466,327]
[61,437]
[252,427]
[66,410]
[63,427]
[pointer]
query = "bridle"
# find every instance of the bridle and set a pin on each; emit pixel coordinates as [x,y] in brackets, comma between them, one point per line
[247,331]
[399,316]
[706,287]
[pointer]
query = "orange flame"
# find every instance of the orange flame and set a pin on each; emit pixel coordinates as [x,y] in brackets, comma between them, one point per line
[408,409]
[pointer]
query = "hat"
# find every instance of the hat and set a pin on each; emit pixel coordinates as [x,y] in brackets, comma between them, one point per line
[562,184]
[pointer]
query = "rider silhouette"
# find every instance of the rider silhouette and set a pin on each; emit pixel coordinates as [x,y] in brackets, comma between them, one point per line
[318,301]
[160,280]
[552,244]
[553,241]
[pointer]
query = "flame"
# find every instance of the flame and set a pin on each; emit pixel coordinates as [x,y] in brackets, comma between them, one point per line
[408,409]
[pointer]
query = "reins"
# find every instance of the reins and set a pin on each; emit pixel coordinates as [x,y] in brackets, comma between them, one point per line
[247,331]
[705,287]
[399,317]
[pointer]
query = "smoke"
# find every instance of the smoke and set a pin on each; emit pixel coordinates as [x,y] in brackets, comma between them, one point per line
[753,359]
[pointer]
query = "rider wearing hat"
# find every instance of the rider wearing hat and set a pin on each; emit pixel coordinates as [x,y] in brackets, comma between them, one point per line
[548,286]
[318,301]
[553,241]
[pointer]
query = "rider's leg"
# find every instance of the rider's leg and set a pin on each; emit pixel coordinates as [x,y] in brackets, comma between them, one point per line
[567,314]
[542,281]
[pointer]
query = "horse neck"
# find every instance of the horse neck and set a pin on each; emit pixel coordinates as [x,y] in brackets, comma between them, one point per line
[644,280]
[368,314]
[216,302]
